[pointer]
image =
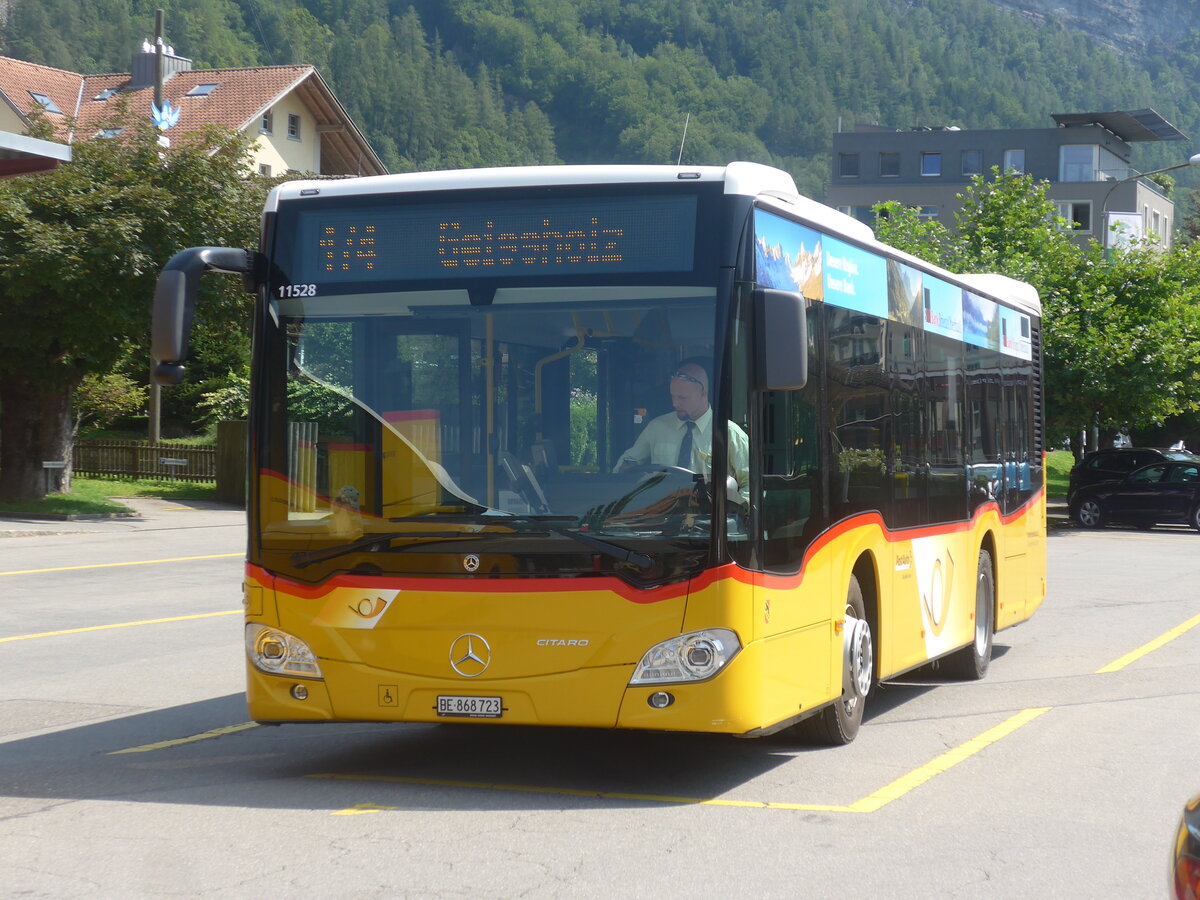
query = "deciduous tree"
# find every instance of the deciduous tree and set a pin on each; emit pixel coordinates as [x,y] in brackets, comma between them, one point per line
[80,248]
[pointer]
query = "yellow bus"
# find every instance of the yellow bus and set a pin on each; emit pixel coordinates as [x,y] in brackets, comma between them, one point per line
[638,447]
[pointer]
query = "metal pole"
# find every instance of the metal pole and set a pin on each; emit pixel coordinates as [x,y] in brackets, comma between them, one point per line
[155,410]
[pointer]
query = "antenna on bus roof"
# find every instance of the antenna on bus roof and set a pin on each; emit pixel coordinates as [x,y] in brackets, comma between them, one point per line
[679,161]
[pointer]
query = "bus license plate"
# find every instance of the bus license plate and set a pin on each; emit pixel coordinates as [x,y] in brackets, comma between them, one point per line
[472,707]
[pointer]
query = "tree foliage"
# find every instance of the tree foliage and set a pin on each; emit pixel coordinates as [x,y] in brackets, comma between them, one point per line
[80,248]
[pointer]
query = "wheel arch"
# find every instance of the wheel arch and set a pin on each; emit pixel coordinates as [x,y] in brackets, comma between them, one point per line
[988,543]
[866,568]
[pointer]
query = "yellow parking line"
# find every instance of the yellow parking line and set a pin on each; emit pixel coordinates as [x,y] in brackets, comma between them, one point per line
[44,634]
[869,804]
[140,562]
[1134,655]
[162,745]
[947,760]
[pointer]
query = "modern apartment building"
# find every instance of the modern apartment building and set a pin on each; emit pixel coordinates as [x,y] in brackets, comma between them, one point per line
[1086,159]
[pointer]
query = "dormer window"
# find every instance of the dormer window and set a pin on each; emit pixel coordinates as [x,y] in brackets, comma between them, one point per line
[45,102]
[202,90]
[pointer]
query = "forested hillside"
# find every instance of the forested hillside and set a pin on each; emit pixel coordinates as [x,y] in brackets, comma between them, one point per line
[437,83]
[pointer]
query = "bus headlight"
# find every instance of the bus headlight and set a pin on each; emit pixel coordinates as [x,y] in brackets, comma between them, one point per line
[279,653]
[690,657]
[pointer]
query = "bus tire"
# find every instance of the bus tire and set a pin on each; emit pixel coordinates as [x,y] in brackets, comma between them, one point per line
[838,723]
[971,662]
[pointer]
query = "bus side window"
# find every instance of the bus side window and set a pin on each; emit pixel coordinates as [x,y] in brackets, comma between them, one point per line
[791,510]
[858,412]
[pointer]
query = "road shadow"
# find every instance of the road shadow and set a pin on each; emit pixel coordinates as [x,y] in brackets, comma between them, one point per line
[163,756]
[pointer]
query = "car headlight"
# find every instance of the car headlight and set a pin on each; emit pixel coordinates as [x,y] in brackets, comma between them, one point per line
[279,653]
[697,656]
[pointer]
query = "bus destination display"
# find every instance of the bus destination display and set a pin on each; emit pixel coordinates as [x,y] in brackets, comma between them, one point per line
[511,239]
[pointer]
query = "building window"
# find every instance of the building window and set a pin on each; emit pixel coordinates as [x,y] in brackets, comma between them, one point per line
[1014,161]
[202,90]
[105,94]
[848,165]
[1077,213]
[864,214]
[110,132]
[264,169]
[931,164]
[45,102]
[1077,162]
[972,162]
[889,165]
[293,127]
[927,212]
[268,123]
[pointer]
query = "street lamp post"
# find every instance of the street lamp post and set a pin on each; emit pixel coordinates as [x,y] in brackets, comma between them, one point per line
[1192,161]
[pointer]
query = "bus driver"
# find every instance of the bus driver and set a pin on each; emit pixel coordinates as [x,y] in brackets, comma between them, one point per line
[683,437]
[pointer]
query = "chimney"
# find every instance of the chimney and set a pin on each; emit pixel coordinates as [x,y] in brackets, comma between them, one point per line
[141,72]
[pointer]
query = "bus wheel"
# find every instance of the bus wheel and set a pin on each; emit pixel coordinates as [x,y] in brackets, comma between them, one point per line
[971,662]
[838,723]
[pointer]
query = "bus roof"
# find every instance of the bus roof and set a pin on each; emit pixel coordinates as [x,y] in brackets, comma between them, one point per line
[749,179]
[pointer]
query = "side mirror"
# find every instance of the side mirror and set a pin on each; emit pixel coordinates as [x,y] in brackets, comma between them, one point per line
[175,301]
[781,321]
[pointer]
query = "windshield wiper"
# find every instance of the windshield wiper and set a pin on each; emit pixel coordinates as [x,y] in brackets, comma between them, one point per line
[608,548]
[307,557]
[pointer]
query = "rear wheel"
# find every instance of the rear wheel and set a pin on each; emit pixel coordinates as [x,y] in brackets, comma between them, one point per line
[1194,517]
[971,662]
[839,722]
[1088,514]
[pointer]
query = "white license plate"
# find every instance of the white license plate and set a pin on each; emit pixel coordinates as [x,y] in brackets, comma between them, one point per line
[472,707]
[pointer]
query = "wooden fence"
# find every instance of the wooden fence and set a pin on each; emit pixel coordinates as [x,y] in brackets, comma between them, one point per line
[141,459]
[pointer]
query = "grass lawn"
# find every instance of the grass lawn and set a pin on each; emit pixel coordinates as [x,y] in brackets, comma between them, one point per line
[1058,468]
[90,496]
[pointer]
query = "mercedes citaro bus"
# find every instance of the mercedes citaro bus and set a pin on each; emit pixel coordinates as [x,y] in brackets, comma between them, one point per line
[446,521]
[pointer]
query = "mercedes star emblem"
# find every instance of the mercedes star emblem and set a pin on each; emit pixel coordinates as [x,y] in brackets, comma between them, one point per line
[470,655]
[471,562]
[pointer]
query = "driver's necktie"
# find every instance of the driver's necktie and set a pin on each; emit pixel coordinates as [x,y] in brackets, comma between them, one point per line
[685,448]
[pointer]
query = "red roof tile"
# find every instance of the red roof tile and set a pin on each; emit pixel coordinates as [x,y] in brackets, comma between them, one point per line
[241,97]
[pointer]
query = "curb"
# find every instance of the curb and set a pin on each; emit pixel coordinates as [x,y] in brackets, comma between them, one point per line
[65,517]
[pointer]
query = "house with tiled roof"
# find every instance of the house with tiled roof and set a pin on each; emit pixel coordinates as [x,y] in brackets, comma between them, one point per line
[290,113]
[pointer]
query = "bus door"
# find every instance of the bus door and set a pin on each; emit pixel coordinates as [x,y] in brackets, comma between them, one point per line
[422,416]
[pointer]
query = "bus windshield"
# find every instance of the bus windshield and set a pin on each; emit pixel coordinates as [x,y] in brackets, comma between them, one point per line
[509,427]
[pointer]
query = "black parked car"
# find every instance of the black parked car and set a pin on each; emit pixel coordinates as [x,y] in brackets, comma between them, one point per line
[1113,465]
[1167,491]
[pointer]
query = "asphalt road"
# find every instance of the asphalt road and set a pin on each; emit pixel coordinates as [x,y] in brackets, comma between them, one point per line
[128,767]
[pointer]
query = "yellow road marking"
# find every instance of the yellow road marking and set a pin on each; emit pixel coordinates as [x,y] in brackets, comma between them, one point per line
[362,809]
[950,758]
[869,804]
[162,745]
[140,562]
[1134,655]
[44,634]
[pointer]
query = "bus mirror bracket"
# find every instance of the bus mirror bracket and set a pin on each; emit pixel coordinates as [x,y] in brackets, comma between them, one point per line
[782,325]
[175,300]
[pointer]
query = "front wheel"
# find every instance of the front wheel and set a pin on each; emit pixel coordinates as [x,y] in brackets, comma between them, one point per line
[1088,514]
[838,723]
[1194,517]
[971,662]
